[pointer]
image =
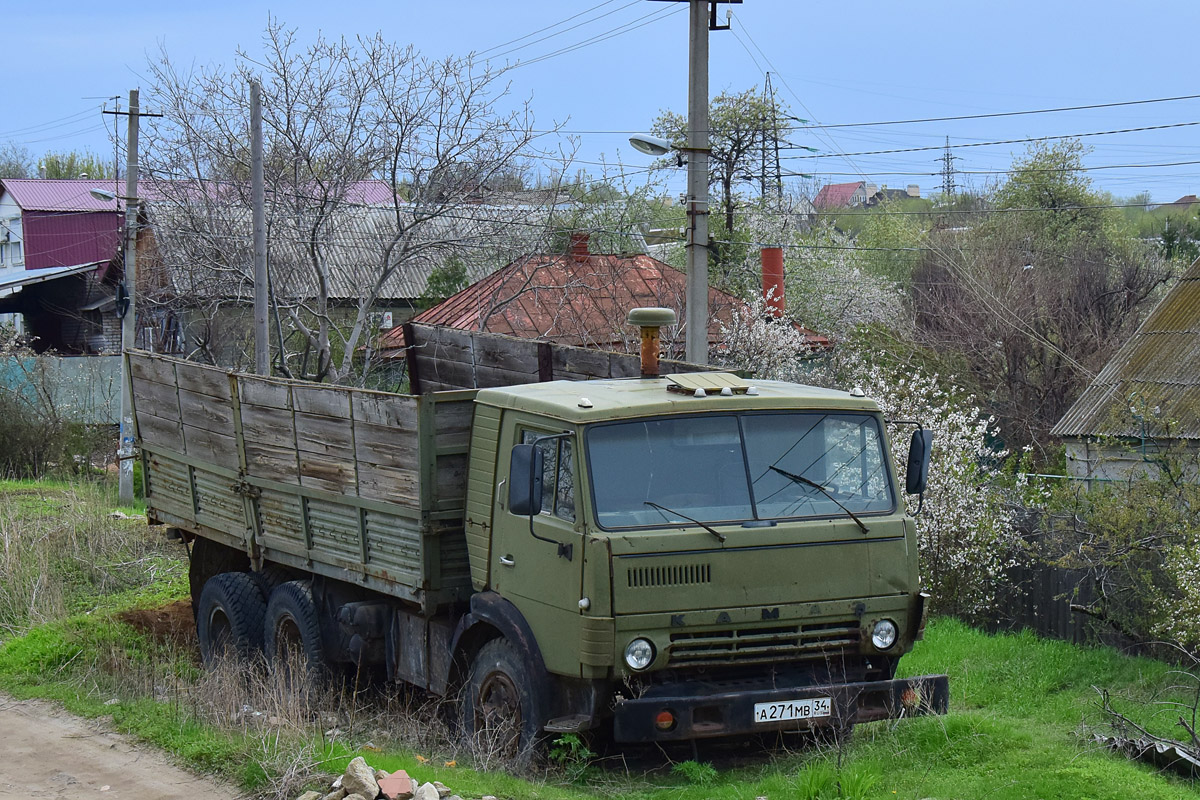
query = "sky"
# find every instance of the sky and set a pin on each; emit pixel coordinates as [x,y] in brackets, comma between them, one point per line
[613,66]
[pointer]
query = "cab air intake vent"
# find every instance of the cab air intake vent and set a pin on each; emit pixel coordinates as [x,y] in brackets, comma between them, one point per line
[669,575]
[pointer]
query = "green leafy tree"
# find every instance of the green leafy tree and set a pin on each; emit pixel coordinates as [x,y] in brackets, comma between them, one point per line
[1035,297]
[445,280]
[740,125]
[76,164]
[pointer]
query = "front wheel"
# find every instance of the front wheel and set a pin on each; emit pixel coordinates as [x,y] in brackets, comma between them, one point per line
[500,711]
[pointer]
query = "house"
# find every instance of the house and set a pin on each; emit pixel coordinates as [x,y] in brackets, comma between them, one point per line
[59,259]
[577,298]
[1146,400]
[198,260]
[843,195]
[860,194]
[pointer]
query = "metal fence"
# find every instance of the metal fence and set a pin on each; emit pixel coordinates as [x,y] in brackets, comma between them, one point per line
[83,389]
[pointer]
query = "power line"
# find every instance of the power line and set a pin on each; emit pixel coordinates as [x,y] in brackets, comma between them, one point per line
[1013,141]
[652,17]
[548,27]
[571,28]
[997,114]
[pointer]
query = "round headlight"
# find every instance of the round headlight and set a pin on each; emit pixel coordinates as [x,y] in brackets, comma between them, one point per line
[884,635]
[638,654]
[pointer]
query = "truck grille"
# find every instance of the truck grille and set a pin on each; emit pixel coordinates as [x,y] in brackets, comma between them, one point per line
[669,575]
[762,644]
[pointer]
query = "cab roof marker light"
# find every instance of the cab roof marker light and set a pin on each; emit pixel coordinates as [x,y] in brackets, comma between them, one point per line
[699,393]
[585,403]
[726,392]
[752,391]
[857,392]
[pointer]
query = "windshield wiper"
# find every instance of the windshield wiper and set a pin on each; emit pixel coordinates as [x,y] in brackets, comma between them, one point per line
[720,536]
[822,490]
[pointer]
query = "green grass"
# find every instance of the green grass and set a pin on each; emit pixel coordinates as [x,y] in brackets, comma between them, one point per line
[1022,709]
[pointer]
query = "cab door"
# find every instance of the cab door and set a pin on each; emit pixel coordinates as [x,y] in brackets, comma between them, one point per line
[542,574]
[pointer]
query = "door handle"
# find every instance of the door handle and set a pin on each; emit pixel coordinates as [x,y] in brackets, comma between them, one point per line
[507,561]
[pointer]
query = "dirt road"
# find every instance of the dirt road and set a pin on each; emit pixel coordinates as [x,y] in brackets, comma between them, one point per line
[48,753]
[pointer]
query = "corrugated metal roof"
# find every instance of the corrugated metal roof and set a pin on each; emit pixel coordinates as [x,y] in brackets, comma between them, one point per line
[62,195]
[573,300]
[193,241]
[1158,368]
[15,279]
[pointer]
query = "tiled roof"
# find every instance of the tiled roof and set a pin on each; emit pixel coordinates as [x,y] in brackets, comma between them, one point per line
[1159,367]
[836,195]
[576,300]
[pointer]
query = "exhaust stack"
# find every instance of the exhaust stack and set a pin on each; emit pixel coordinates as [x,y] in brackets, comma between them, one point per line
[650,320]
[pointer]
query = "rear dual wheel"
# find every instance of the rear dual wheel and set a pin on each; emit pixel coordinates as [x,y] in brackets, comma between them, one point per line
[229,617]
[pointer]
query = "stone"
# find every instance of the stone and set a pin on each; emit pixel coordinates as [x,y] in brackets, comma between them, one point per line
[355,796]
[488,797]
[359,778]
[397,786]
[427,792]
[311,796]
[337,794]
[380,774]
[442,790]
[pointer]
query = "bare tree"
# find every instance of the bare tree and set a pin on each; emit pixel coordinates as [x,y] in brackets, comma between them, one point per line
[374,160]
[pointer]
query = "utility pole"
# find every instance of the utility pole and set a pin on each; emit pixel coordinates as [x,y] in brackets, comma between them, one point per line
[262,341]
[127,294]
[696,314]
[129,320]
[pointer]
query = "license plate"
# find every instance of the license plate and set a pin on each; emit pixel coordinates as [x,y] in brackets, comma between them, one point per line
[784,710]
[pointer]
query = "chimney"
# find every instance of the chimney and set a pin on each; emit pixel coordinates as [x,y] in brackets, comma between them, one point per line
[579,246]
[772,278]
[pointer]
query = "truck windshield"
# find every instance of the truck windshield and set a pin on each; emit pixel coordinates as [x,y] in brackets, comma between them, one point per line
[735,468]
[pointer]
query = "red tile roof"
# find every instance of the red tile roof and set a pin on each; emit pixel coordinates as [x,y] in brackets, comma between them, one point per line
[836,195]
[579,300]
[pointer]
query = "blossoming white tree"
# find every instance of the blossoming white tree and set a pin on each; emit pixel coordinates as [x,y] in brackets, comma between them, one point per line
[965,534]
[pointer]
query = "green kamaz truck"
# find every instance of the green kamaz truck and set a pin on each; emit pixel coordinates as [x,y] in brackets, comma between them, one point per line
[679,556]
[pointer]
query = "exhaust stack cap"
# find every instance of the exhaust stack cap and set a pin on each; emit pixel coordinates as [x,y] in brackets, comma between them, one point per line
[649,320]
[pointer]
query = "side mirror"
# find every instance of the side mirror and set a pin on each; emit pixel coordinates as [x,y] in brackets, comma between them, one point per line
[918,461]
[525,480]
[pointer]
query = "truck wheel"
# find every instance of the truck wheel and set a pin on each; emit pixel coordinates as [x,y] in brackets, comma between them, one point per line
[500,711]
[293,631]
[229,617]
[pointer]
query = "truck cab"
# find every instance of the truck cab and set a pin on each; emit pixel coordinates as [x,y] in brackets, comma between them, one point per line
[697,555]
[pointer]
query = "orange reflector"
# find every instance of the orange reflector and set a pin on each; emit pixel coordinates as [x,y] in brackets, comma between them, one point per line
[665,720]
[911,698]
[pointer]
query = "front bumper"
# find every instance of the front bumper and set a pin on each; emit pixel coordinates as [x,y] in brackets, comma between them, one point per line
[703,709]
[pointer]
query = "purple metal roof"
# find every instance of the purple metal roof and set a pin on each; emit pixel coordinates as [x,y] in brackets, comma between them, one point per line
[64,195]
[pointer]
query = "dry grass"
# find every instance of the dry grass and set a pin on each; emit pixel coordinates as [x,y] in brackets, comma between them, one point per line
[61,552]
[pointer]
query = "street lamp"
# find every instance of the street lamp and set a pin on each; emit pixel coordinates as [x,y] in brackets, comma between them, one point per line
[696,307]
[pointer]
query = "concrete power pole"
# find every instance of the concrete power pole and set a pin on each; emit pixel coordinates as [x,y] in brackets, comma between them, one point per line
[696,314]
[262,341]
[129,319]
